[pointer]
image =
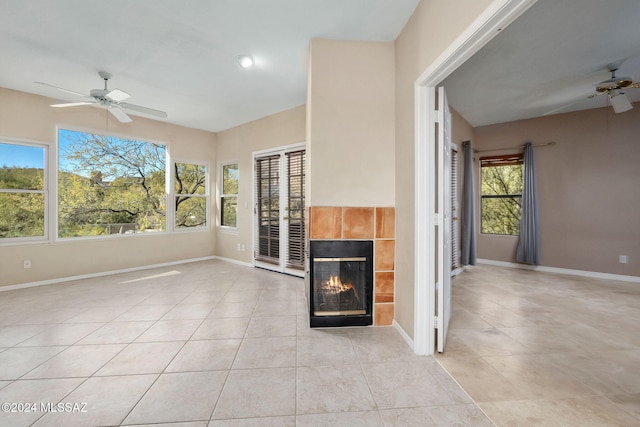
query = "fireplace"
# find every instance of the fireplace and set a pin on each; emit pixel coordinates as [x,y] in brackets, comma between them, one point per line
[340,283]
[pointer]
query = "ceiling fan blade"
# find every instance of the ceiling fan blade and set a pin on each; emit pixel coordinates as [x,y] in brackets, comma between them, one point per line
[64,90]
[144,110]
[597,94]
[71,104]
[562,107]
[117,95]
[119,114]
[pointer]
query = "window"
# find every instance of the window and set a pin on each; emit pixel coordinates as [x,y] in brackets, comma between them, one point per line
[191,195]
[501,194]
[109,185]
[229,196]
[23,190]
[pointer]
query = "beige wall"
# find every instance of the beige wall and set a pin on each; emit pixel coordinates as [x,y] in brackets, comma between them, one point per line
[461,130]
[432,28]
[351,126]
[26,116]
[587,185]
[238,144]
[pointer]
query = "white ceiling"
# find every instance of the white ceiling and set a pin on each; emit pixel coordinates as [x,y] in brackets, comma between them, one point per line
[180,56]
[549,58]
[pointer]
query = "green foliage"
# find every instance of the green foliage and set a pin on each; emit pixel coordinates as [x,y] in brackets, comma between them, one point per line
[109,185]
[501,213]
[191,212]
[15,178]
[190,187]
[190,179]
[106,185]
[229,216]
[21,214]
[230,179]
[229,199]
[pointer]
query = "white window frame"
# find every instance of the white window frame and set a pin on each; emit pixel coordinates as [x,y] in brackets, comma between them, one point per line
[50,190]
[46,236]
[222,195]
[481,196]
[172,193]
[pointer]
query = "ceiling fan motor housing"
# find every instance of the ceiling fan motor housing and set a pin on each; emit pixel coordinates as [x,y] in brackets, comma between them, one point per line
[99,93]
[614,82]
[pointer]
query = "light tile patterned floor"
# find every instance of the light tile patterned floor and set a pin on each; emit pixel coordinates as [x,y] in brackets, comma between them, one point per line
[546,349]
[210,344]
[215,344]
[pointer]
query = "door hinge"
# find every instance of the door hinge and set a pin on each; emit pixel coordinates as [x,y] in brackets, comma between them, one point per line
[435,322]
[437,219]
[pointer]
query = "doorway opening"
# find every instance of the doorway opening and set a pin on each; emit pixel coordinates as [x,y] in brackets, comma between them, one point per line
[427,245]
[279,242]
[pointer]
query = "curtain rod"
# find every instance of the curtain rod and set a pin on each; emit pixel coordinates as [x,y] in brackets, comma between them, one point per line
[548,144]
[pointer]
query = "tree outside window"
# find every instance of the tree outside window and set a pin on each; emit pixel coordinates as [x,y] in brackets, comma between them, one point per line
[23,193]
[229,196]
[191,195]
[501,194]
[109,185]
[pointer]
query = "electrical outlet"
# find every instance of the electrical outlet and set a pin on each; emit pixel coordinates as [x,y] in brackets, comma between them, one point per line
[27,263]
[238,247]
[242,246]
[623,259]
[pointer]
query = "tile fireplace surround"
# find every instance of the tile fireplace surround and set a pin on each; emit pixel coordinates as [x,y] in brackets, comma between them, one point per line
[363,223]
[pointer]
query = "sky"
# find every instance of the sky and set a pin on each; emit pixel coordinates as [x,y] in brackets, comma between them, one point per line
[24,156]
[28,156]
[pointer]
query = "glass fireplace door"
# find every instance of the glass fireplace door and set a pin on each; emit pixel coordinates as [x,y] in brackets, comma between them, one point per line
[340,291]
[339,286]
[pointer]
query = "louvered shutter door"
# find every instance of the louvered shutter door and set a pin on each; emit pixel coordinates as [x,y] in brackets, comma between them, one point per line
[454,211]
[268,209]
[296,205]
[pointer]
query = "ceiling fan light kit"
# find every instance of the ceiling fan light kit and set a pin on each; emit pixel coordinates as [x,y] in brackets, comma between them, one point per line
[613,88]
[110,99]
[619,102]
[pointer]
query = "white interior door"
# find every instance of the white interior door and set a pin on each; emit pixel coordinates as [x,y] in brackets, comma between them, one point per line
[279,210]
[443,249]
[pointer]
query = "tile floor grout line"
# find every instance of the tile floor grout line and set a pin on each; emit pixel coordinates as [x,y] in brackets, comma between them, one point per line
[465,391]
[226,379]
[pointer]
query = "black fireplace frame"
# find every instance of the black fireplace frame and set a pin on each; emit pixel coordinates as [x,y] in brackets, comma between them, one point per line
[342,249]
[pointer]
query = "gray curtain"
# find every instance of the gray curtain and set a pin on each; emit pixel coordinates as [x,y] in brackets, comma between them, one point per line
[468,221]
[528,250]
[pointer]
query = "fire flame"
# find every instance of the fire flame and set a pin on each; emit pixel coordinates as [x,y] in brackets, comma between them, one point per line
[334,286]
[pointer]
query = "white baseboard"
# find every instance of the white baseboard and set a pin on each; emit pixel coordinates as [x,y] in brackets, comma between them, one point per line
[234,261]
[583,273]
[403,334]
[102,273]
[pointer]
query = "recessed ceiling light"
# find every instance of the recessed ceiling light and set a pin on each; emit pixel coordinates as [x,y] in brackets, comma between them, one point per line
[245,61]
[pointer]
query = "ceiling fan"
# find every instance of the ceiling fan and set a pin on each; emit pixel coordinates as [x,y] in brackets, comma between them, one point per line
[111,99]
[614,88]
